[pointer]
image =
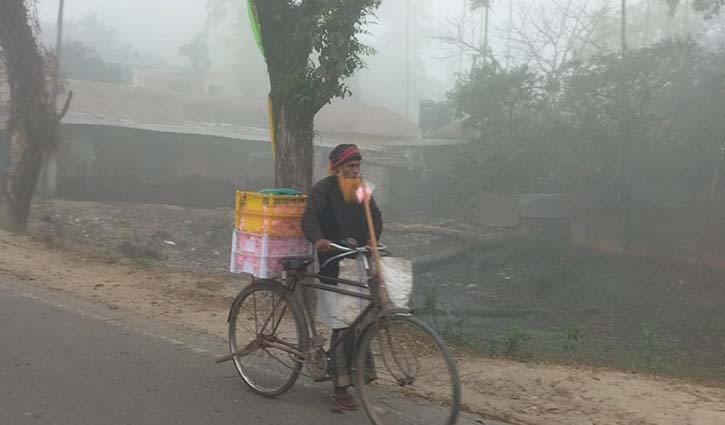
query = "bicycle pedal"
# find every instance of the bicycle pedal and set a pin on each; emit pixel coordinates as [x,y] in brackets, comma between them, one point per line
[326,378]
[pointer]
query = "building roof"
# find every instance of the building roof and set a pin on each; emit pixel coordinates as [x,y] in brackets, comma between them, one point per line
[116,104]
[453,131]
[227,131]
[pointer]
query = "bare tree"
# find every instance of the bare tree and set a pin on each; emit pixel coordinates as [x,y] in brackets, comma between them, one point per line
[544,36]
[33,120]
[548,36]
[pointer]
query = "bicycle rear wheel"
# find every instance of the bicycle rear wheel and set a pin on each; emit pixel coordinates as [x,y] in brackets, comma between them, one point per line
[405,374]
[268,330]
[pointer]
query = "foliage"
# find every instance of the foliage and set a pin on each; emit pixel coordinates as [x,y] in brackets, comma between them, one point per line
[197,51]
[311,47]
[646,118]
[514,342]
[711,8]
[81,62]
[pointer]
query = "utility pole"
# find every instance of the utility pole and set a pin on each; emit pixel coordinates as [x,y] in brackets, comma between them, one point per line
[625,188]
[687,17]
[407,59]
[49,170]
[648,16]
[508,38]
[624,28]
[487,8]
[58,47]
[462,24]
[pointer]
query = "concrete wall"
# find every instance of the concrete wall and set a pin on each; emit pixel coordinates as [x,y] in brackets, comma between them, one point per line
[119,164]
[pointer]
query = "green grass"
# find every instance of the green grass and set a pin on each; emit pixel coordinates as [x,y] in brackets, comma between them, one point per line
[553,302]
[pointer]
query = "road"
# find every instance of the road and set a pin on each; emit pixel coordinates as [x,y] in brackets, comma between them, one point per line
[68,362]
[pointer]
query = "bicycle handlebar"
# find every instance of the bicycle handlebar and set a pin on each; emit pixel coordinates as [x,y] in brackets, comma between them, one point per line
[346,249]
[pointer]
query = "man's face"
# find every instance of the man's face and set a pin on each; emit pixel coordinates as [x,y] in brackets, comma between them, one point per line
[350,170]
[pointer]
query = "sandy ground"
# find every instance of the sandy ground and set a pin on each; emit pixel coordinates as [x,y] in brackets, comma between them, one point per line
[522,393]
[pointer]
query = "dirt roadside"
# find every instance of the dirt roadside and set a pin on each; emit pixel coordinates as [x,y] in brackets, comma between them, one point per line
[521,393]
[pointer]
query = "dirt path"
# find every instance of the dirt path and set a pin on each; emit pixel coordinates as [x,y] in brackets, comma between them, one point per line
[523,393]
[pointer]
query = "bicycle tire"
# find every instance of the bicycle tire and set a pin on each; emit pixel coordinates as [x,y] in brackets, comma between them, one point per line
[261,293]
[419,350]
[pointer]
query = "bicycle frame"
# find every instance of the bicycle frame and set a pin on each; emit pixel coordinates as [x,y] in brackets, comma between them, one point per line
[294,282]
[297,280]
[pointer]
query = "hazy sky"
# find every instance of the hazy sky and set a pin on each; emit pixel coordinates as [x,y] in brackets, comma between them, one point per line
[159,27]
[152,26]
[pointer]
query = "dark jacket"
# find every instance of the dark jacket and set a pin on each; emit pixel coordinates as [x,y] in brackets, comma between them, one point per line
[328,216]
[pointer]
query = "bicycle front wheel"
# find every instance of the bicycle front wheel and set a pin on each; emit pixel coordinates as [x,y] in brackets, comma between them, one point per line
[405,374]
[267,331]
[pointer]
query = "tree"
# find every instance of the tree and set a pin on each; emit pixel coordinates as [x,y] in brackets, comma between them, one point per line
[311,47]
[33,119]
[81,62]
[711,8]
[197,51]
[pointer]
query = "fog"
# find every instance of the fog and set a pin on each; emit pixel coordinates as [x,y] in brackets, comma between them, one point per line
[165,25]
[567,202]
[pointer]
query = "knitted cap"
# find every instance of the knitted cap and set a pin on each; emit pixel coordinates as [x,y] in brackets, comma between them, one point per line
[343,154]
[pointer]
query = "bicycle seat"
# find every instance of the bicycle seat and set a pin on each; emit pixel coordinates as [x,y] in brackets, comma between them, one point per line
[296,263]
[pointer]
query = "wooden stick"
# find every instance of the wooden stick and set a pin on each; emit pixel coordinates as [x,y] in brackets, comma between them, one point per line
[374,246]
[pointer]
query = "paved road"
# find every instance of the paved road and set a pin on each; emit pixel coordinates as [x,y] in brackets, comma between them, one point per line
[68,362]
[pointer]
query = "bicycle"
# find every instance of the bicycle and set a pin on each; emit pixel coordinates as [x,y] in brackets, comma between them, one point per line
[394,350]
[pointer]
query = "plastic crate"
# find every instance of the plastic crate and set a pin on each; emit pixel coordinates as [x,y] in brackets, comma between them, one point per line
[270,246]
[262,267]
[273,226]
[276,215]
[260,254]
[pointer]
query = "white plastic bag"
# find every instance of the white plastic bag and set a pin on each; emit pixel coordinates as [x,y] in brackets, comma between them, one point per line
[398,278]
[337,310]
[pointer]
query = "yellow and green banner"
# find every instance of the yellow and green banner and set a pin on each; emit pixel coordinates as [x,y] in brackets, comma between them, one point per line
[257,31]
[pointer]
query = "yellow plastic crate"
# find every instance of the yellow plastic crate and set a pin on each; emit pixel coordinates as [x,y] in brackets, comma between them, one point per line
[277,215]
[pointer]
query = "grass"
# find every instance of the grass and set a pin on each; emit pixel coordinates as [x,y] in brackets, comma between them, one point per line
[552,302]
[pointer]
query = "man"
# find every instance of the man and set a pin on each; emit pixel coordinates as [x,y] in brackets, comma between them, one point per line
[334,214]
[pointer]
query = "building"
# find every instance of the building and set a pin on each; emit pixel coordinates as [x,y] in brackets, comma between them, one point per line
[142,144]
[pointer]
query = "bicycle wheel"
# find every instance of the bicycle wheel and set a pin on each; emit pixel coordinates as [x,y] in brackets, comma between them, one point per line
[405,374]
[267,328]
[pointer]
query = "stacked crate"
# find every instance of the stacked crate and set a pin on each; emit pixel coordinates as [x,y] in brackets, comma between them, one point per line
[267,229]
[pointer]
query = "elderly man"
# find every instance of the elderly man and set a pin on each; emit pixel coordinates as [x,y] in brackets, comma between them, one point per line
[334,214]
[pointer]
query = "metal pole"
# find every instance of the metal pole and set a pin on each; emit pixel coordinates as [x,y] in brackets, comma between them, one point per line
[407,59]
[687,17]
[624,28]
[485,33]
[58,47]
[647,22]
[510,29]
[462,24]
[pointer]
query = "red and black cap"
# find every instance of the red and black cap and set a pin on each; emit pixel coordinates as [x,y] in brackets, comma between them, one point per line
[343,154]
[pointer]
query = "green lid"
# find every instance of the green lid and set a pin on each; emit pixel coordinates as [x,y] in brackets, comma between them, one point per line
[280,191]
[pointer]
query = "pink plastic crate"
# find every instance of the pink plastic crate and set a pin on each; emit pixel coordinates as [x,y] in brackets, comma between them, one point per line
[260,254]
[271,246]
[264,267]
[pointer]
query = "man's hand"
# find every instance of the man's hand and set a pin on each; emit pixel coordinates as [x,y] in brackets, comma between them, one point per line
[323,245]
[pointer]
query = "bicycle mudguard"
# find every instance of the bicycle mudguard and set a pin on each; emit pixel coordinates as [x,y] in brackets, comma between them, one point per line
[387,313]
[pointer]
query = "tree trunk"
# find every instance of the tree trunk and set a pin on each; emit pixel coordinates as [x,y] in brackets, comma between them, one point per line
[294,160]
[32,121]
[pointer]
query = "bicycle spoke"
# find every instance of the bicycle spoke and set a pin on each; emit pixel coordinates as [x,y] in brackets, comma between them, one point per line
[270,358]
[408,376]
